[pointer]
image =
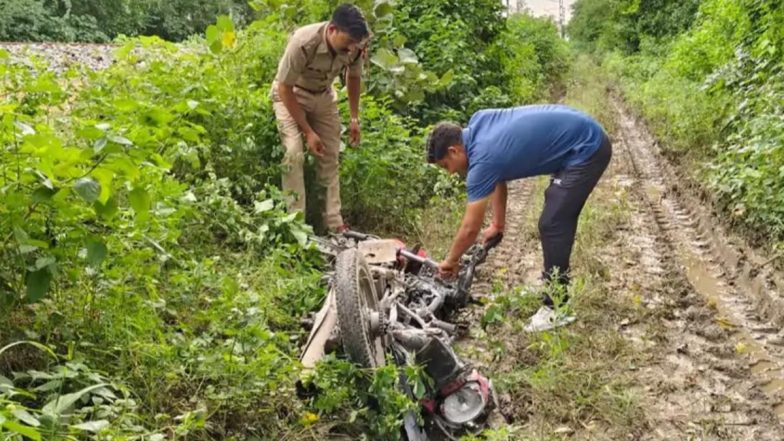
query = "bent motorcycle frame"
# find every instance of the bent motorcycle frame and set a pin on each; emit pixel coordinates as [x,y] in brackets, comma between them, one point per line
[429,341]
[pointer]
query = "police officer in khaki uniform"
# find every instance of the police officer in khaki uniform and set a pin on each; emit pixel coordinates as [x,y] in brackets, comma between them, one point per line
[305,102]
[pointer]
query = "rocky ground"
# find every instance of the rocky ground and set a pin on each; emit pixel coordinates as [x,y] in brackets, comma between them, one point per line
[61,56]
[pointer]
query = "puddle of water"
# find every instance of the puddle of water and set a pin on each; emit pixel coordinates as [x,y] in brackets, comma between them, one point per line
[769,374]
[761,367]
[774,387]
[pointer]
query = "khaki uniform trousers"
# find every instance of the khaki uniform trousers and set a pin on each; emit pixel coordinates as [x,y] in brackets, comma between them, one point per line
[322,114]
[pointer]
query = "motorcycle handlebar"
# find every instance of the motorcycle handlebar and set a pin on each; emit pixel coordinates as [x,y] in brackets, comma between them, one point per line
[356,235]
[493,242]
[417,258]
[490,244]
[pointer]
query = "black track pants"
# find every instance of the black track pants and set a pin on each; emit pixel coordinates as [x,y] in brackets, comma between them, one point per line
[563,201]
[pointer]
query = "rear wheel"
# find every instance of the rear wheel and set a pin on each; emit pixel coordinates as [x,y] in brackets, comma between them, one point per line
[358,310]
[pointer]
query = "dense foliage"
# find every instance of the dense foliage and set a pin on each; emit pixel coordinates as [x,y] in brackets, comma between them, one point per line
[712,92]
[151,280]
[629,25]
[103,20]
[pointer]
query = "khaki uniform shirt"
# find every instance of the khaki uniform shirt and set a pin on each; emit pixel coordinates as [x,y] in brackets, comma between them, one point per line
[309,64]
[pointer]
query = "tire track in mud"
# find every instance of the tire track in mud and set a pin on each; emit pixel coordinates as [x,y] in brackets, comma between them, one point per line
[508,264]
[714,370]
[710,367]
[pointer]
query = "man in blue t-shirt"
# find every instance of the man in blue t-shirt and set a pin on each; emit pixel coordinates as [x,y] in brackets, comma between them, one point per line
[501,145]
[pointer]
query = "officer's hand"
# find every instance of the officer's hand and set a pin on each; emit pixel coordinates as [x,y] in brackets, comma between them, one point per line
[448,269]
[354,132]
[314,144]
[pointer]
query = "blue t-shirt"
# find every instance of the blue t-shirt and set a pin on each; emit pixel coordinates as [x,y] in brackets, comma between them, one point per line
[507,144]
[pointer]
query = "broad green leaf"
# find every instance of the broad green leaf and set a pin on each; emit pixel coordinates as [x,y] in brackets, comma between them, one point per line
[384,58]
[21,429]
[92,426]
[87,189]
[189,197]
[382,8]
[25,417]
[62,403]
[399,40]
[44,179]
[20,235]
[107,210]
[407,56]
[212,33]
[99,144]
[37,243]
[216,46]
[123,51]
[96,252]
[419,388]
[117,139]
[126,105]
[225,24]
[266,205]
[38,284]
[446,79]
[158,116]
[104,177]
[50,385]
[24,129]
[44,85]
[26,248]
[42,194]
[301,236]
[140,202]
[43,262]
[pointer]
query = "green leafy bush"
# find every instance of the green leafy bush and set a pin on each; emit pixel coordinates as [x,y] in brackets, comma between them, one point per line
[147,248]
[103,20]
[712,95]
[33,20]
[625,25]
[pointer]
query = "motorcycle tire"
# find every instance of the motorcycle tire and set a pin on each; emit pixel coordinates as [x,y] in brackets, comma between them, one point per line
[356,300]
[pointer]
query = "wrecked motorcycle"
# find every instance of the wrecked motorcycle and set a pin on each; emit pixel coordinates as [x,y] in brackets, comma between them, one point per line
[386,299]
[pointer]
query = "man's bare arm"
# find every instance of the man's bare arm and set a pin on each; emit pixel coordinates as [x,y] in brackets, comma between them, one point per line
[469,229]
[354,83]
[499,205]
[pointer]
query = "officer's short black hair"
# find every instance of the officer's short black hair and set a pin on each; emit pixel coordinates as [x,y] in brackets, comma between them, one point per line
[444,135]
[349,19]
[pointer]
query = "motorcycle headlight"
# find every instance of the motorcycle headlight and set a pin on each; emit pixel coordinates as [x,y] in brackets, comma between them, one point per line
[465,404]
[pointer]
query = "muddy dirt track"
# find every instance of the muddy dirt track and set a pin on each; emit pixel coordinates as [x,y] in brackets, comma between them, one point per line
[709,350]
